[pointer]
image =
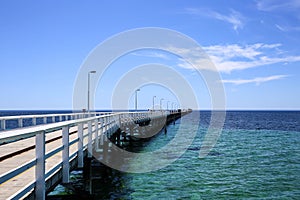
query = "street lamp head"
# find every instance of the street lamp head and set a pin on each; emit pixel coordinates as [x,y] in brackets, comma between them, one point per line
[138,90]
[92,72]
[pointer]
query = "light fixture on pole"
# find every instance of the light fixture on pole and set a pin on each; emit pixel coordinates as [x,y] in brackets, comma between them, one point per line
[153,102]
[88,100]
[161,103]
[136,98]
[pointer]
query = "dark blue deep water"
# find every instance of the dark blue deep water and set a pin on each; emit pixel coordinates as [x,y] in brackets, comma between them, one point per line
[257,156]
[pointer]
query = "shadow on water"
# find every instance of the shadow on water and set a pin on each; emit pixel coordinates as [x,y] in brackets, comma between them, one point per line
[109,183]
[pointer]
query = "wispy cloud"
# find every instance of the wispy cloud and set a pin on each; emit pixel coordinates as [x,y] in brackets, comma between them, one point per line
[287,28]
[234,18]
[283,9]
[152,54]
[232,57]
[273,5]
[257,80]
[281,28]
[192,58]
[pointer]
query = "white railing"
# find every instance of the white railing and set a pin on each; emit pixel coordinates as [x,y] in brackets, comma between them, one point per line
[96,126]
[45,118]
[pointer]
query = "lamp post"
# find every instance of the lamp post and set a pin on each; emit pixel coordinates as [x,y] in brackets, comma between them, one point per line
[168,105]
[161,103]
[153,102]
[88,103]
[136,99]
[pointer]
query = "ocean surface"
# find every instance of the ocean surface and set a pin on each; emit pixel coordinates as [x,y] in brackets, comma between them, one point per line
[257,156]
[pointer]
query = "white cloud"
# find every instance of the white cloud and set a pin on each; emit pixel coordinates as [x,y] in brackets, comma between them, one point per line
[287,28]
[234,18]
[226,58]
[273,5]
[283,9]
[234,50]
[281,28]
[152,54]
[257,80]
[232,57]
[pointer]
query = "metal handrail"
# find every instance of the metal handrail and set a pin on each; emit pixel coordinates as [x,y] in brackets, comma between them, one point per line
[20,118]
[13,135]
[46,115]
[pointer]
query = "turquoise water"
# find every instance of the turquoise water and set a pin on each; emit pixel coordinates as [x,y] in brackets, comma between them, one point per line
[245,164]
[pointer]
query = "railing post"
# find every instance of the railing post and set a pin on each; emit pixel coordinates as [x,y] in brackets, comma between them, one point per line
[3,124]
[45,120]
[101,131]
[120,122]
[40,190]
[80,145]
[110,123]
[108,126]
[90,137]
[34,121]
[65,154]
[105,136]
[97,134]
[20,122]
[53,119]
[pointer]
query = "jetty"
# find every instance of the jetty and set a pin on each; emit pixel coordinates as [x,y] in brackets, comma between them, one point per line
[41,150]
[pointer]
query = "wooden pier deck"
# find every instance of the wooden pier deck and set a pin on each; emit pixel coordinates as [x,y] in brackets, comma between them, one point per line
[34,159]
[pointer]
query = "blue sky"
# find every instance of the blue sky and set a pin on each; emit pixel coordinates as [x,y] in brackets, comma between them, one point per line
[255,46]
